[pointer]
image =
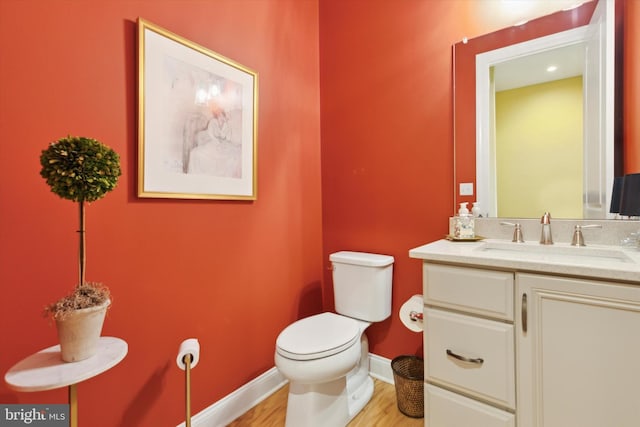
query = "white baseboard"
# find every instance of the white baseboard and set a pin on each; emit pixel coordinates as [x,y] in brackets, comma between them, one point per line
[240,401]
[380,368]
[255,391]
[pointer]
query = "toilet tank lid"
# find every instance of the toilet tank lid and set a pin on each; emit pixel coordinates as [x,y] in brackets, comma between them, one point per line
[361,258]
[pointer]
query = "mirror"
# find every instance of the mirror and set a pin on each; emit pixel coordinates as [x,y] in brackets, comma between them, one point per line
[476,160]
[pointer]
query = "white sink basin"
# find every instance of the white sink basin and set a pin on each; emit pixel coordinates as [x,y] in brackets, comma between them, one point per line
[555,253]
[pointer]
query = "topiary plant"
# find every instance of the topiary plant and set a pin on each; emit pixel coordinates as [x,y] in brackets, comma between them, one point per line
[81,170]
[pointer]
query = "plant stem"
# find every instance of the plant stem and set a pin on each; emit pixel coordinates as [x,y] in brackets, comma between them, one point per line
[82,255]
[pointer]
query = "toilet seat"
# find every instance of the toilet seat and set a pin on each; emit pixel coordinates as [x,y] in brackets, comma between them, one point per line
[318,336]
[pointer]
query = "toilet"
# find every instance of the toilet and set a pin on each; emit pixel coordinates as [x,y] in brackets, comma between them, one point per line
[325,357]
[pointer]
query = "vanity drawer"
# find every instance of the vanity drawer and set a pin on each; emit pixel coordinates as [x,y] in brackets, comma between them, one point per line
[485,292]
[472,355]
[444,408]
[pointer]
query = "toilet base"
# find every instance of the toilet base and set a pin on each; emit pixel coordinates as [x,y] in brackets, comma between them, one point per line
[332,403]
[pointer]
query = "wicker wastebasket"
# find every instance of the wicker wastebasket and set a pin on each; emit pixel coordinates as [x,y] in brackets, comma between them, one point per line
[408,375]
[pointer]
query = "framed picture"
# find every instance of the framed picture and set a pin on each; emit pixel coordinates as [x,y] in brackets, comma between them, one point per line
[197,120]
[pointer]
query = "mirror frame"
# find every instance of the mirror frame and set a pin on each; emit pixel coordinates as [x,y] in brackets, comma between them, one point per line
[464,81]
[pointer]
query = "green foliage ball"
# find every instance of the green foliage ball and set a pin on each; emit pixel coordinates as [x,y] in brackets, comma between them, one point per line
[80,169]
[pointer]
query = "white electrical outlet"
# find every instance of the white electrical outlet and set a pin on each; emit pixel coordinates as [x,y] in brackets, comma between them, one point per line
[466,188]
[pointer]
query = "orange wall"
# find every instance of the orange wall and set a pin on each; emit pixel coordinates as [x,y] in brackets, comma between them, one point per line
[631,95]
[387,150]
[387,139]
[232,274]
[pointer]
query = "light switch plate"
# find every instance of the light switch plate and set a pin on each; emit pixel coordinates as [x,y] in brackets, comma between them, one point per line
[466,188]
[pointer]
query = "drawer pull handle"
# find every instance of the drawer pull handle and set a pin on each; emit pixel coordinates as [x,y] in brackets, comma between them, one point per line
[477,360]
[524,313]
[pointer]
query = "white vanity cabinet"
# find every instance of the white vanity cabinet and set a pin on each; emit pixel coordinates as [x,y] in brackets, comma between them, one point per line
[507,348]
[469,347]
[578,352]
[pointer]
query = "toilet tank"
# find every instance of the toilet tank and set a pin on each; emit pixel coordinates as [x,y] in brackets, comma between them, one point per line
[362,284]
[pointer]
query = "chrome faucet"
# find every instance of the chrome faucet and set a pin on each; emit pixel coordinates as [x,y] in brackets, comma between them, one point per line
[578,238]
[545,237]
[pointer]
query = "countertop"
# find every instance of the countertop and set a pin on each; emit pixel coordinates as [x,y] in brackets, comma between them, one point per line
[471,254]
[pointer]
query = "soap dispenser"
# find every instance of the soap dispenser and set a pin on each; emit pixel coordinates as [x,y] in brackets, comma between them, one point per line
[475,210]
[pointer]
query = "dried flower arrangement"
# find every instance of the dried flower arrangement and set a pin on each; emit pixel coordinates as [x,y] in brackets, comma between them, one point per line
[85,295]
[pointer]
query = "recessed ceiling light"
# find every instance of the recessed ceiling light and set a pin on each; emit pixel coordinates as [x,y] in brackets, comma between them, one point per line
[551,68]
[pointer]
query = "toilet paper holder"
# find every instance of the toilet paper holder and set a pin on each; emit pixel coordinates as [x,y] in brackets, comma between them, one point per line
[188,357]
[410,313]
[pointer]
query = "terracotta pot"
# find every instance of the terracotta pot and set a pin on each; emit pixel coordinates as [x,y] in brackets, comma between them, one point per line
[80,331]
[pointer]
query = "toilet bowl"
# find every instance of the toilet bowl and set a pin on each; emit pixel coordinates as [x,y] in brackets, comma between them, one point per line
[325,357]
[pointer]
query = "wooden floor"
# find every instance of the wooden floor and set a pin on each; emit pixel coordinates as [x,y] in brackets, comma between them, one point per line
[381,411]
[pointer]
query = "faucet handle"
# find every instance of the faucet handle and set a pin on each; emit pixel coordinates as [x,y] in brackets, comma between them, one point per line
[578,238]
[517,231]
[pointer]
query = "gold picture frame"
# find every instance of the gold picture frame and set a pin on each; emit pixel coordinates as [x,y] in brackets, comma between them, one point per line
[197,120]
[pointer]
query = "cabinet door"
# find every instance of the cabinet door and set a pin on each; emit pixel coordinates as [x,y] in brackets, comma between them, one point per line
[578,351]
